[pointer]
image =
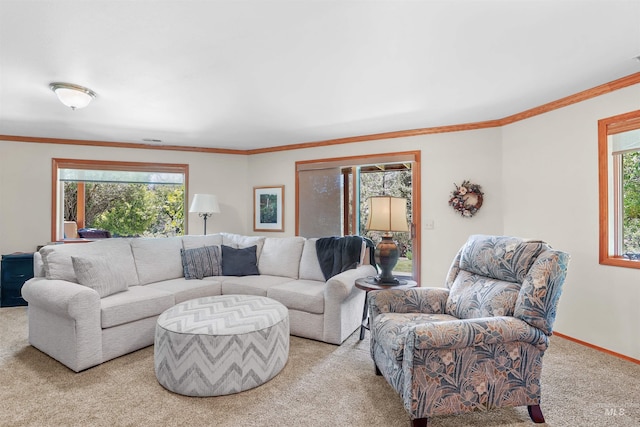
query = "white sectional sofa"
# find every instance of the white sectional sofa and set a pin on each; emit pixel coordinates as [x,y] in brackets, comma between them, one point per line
[77,326]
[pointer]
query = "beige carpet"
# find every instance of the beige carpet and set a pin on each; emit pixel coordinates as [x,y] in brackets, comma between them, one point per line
[321,385]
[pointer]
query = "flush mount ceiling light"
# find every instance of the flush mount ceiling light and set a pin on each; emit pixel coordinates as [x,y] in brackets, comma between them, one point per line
[71,95]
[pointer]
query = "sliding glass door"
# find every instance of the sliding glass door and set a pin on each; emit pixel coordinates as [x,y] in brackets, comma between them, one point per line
[332,199]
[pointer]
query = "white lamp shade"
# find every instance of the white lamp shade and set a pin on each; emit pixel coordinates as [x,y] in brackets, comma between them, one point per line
[204,203]
[387,213]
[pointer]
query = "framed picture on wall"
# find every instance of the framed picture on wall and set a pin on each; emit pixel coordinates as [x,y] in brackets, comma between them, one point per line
[268,208]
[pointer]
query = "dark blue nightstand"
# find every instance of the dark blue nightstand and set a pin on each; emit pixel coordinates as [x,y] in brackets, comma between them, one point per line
[16,269]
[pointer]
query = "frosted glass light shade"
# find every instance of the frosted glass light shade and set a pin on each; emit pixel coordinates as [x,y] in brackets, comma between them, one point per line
[387,213]
[73,96]
[204,203]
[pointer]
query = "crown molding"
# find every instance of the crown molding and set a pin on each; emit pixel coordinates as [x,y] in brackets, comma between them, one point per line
[603,89]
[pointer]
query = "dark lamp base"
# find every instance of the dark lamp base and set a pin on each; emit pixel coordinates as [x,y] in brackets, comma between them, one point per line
[388,282]
[386,256]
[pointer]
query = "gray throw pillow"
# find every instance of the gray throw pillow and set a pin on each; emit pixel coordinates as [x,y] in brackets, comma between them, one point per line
[99,274]
[198,263]
[239,262]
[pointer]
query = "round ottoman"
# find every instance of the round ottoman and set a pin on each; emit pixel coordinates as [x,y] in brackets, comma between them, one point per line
[221,345]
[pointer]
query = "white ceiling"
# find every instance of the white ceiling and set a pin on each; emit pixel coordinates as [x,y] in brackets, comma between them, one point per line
[258,73]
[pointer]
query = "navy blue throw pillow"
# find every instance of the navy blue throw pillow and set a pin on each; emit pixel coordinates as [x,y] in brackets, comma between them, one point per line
[239,262]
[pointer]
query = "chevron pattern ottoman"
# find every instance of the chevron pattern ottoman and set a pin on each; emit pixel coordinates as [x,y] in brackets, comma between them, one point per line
[221,345]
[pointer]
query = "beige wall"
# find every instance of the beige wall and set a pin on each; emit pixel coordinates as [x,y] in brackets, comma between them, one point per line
[550,176]
[446,159]
[25,187]
[540,178]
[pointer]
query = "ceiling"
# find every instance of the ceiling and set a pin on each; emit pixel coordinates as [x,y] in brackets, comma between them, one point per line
[250,74]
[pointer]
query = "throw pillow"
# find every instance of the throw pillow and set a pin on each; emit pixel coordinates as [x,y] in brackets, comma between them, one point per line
[239,262]
[99,274]
[57,258]
[198,263]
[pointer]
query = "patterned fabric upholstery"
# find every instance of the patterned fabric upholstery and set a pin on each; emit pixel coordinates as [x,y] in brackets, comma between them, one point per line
[500,257]
[541,290]
[474,296]
[477,344]
[392,329]
[220,345]
[414,300]
[202,262]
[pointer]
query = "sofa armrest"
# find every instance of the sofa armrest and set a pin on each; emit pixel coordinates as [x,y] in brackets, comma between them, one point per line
[65,298]
[472,332]
[340,286]
[413,300]
[65,321]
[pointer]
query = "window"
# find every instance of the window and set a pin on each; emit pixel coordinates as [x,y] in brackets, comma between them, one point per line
[123,199]
[332,198]
[619,182]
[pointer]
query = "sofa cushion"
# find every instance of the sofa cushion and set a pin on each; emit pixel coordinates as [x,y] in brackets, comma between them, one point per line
[303,295]
[100,274]
[38,265]
[472,296]
[500,257]
[137,302]
[239,262]
[57,263]
[195,241]
[239,241]
[183,289]
[198,263]
[157,258]
[309,264]
[250,285]
[281,256]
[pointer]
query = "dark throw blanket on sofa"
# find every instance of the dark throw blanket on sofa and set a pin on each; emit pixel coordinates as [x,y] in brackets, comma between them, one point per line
[338,254]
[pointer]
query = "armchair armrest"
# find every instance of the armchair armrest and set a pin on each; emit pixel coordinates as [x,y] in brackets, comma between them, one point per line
[471,332]
[414,300]
[61,297]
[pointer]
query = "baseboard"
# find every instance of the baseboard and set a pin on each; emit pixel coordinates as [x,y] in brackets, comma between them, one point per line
[595,347]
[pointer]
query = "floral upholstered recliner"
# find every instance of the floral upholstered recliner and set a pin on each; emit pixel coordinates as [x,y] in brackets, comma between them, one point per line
[477,344]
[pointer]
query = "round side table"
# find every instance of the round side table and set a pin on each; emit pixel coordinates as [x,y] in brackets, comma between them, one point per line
[371,284]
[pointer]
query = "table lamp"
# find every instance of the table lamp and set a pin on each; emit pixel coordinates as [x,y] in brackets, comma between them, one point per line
[388,214]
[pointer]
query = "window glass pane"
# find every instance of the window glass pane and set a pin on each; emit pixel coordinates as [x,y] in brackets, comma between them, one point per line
[129,209]
[392,180]
[631,205]
[87,175]
[320,204]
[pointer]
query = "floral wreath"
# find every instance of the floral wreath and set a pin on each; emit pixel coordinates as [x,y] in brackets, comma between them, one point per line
[462,202]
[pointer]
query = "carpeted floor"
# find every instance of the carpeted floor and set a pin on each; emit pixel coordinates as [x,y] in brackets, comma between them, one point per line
[321,385]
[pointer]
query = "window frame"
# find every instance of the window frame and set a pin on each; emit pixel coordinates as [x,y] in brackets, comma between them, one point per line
[610,223]
[57,164]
